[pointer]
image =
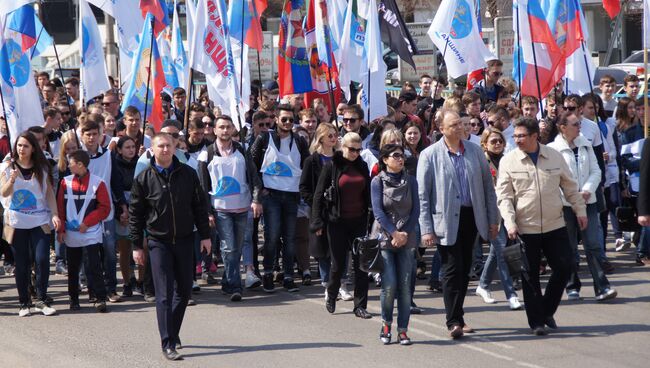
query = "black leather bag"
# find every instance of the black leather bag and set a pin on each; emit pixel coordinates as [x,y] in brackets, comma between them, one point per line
[369,252]
[514,254]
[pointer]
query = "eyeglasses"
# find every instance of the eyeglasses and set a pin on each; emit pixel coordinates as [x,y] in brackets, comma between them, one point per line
[474,124]
[349,120]
[496,141]
[576,124]
[397,156]
[285,119]
[571,108]
[519,136]
[355,150]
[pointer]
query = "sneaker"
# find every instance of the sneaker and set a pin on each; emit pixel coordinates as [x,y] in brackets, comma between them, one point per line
[306,279]
[127,291]
[344,294]
[139,289]
[195,287]
[514,303]
[61,269]
[435,286]
[235,297]
[101,307]
[573,294]
[403,339]
[9,270]
[268,283]
[622,244]
[385,335]
[24,311]
[45,308]
[149,298]
[191,302]
[208,278]
[289,285]
[114,298]
[377,278]
[606,295]
[74,305]
[252,281]
[485,294]
[92,299]
[278,278]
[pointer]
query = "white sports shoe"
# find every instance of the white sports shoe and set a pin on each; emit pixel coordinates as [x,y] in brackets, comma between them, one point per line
[252,281]
[486,295]
[514,303]
[622,245]
[344,294]
[44,308]
[24,312]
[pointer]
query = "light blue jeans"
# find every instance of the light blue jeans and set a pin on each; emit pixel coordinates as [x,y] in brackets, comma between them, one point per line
[396,282]
[495,259]
[231,228]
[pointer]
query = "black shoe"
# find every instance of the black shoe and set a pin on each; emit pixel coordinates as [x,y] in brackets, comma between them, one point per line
[74,305]
[235,297]
[92,299]
[267,283]
[306,280]
[289,285]
[435,286]
[539,331]
[416,310]
[550,322]
[362,313]
[139,289]
[127,290]
[172,354]
[330,304]
[101,307]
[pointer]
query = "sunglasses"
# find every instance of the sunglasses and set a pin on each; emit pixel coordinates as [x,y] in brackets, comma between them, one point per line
[496,141]
[576,124]
[330,136]
[474,124]
[571,108]
[349,120]
[285,119]
[397,156]
[355,150]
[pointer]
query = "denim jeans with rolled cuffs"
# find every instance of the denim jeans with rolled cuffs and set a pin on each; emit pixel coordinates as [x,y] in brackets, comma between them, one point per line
[280,213]
[592,240]
[232,228]
[395,283]
[31,246]
[495,259]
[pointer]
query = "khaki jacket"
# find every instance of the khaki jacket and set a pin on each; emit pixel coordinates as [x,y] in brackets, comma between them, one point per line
[529,196]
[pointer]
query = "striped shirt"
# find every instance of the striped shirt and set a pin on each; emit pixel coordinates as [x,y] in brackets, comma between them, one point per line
[458,160]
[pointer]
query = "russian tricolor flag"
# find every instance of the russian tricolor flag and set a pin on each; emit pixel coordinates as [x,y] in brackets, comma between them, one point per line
[23,23]
[157,8]
[244,21]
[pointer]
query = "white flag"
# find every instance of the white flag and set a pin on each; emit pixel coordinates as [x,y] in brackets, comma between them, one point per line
[454,31]
[336,20]
[181,64]
[351,48]
[94,77]
[646,24]
[373,94]
[190,14]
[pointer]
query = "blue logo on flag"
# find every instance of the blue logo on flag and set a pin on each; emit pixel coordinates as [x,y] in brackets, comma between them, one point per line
[18,72]
[227,186]
[461,26]
[278,169]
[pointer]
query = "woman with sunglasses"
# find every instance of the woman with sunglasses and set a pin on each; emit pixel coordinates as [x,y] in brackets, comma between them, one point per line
[341,201]
[493,143]
[579,156]
[395,204]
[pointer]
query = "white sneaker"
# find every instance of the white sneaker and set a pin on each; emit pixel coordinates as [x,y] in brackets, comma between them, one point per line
[24,312]
[622,245]
[514,303]
[252,281]
[486,295]
[344,294]
[573,295]
[44,308]
[325,294]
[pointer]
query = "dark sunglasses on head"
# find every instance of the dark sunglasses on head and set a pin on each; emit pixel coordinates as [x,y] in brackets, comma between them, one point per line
[349,120]
[355,150]
[285,119]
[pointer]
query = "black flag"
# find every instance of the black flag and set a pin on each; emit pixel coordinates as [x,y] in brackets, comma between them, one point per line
[394,32]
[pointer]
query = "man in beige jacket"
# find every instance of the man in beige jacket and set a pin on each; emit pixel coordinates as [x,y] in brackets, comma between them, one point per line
[528,197]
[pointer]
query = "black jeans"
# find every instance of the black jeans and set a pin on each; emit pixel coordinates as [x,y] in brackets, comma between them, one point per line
[557,249]
[172,266]
[74,257]
[456,264]
[341,235]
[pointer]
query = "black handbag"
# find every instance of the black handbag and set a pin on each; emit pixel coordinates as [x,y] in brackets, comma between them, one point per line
[627,217]
[369,252]
[514,254]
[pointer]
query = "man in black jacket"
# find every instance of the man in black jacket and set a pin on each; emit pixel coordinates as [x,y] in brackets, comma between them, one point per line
[167,202]
[643,202]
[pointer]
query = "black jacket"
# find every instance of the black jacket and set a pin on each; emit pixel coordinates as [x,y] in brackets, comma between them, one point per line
[364,132]
[252,179]
[309,178]
[258,149]
[643,202]
[167,206]
[331,173]
[121,180]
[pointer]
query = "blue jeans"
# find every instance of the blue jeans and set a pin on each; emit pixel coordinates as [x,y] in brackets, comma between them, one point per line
[643,249]
[592,239]
[110,257]
[436,264]
[59,250]
[494,259]
[231,228]
[396,282]
[31,246]
[247,247]
[280,213]
[324,266]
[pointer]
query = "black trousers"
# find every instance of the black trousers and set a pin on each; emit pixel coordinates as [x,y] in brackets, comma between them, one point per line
[74,257]
[557,249]
[456,264]
[341,235]
[172,267]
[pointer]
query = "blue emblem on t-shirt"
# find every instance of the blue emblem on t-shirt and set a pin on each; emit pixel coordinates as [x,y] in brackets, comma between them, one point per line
[278,169]
[227,186]
[23,200]
[72,225]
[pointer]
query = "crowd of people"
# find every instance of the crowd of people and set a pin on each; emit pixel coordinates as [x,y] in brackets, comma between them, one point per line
[94,186]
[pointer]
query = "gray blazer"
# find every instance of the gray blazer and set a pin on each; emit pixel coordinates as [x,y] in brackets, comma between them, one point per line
[439,192]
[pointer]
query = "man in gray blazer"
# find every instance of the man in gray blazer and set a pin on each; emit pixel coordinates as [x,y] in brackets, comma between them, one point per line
[457,202]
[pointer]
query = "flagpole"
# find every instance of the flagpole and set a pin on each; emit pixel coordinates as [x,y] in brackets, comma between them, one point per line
[242,137]
[36,44]
[146,97]
[518,57]
[259,67]
[331,94]
[5,114]
[645,93]
[188,98]
[539,89]
[584,54]
[367,88]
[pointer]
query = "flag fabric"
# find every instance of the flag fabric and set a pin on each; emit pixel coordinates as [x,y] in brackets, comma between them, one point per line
[570,25]
[612,7]
[43,39]
[178,54]
[190,14]
[293,58]
[646,24]
[244,21]
[352,51]
[157,8]
[7,6]
[22,22]
[94,77]
[136,93]
[22,107]
[171,77]
[321,29]
[394,32]
[373,94]
[477,75]
[537,68]
[455,31]
[335,19]
[211,54]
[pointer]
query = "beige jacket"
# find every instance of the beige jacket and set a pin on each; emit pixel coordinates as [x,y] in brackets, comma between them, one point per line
[529,196]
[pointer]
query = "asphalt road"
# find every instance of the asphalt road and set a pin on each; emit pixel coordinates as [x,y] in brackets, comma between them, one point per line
[295,330]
